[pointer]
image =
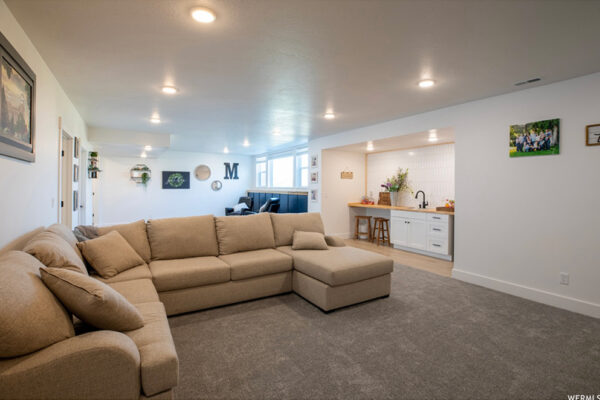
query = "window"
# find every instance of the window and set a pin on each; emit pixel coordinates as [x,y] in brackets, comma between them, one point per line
[283,170]
[261,172]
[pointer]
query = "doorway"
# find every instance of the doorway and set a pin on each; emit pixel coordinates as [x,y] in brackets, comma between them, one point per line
[66,179]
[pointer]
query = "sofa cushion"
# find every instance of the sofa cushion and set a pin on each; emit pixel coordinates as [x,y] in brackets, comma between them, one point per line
[136,291]
[55,252]
[284,226]
[339,265]
[92,301]
[249,264]
[309,241]
[173,238]
[31,317]
[188,272]
[139,272]
[158,358]
[65,233]
[244,233]
[110,254]
[135,234]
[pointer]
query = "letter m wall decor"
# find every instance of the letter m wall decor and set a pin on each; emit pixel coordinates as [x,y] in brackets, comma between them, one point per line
[231,172]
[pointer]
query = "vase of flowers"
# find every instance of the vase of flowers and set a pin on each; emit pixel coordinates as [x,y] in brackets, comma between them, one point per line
[397,184]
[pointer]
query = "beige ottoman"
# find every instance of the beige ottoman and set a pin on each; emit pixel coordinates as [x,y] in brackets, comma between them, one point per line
[340,276]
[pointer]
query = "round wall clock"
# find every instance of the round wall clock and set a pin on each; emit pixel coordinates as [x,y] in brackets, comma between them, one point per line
[202,172]
[216,185]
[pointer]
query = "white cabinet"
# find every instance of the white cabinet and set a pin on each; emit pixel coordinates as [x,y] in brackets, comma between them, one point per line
[426,233]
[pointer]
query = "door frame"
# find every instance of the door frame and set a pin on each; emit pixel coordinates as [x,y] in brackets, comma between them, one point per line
[65,178]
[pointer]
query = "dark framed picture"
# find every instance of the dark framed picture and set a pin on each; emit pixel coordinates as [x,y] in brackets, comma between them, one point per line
[175,180]
[75,200]
[592,135]
[17,104]
[75,173]
[76,145]
[540,138]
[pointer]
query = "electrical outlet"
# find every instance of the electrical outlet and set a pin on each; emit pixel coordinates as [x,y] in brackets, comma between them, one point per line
[564,278]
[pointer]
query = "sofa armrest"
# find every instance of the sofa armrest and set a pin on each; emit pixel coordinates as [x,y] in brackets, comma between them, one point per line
[334,241]
[95,365]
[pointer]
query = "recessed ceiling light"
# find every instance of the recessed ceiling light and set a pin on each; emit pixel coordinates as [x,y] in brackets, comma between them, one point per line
[411,153]
[143,155]
[433,139]
[426,83]
[276,132]
[169,90]
[369,146]
[246,143]
[226,150]
[329,115]
[155,119]
[203,15]
[432,132]
[148,147]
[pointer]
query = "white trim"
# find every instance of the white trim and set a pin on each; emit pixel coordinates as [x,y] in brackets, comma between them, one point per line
[537,295]
[423,252]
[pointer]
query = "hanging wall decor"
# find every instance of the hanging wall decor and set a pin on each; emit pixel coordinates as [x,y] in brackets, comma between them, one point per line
[592,135]
[231,171]
[140,173]
[538,138]
[175,180]
[76,146]
[75,173]
[93,165]
[17,104]
[202,172]
[216,185]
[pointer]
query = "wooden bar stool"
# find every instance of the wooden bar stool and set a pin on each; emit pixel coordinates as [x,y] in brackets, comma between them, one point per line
[357,231]
[381,231]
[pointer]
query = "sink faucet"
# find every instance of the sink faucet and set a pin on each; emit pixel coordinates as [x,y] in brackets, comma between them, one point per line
[424,204]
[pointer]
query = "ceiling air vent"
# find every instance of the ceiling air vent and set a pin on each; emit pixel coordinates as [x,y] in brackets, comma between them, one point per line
[527,82]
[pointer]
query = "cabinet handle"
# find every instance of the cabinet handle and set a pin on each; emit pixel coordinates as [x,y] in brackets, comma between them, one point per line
[437,230]
[437,245]
[436,218]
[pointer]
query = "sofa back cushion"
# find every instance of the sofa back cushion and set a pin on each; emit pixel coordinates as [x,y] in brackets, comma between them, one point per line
[92,301]
[284,226]
[54,251]
[135,234]
[244,233]
[110,254]
[172,238]
[31,317]
[65,233]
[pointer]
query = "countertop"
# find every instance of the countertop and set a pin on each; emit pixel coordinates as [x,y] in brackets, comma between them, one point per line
[381,207]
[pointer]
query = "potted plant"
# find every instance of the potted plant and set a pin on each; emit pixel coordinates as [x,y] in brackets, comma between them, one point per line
[140,173]
[396,184]
[93,166]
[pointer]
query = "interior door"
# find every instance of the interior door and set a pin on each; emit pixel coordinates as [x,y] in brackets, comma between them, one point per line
[417,234]
[66,179]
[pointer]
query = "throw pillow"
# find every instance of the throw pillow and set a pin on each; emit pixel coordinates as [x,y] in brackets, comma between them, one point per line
[92,301]
[309,241]
[240,207]
[110,254]
[54,251]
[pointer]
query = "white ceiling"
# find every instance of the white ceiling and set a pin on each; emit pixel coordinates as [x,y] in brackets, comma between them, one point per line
[410,141]
[267,64]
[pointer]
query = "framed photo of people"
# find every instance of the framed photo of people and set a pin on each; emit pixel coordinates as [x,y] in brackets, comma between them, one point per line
[540,138]
[592,135]
[17,104]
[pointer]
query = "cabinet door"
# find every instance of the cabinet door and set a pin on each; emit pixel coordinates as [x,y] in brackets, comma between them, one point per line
[399,231]
[417,234]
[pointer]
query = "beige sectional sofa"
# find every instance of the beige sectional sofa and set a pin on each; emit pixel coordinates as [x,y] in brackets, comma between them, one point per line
[190,264]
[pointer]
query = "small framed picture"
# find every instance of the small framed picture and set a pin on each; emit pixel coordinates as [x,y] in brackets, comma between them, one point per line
[314,161]
[314,195]
[75,173]
[314,177]
[75,200]
[76,147]
[592,135]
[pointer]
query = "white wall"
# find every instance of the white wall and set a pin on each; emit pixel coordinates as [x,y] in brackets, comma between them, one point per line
[519,222]
[30,190]
[120,200]
[340,191]
[430,169]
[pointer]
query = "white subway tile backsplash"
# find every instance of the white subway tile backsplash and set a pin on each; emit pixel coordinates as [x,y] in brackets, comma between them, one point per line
[430,169]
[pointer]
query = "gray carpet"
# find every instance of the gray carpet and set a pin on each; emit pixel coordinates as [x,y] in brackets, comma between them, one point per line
[433,338]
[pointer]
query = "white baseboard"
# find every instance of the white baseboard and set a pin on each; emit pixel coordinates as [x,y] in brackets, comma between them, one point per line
[540,296]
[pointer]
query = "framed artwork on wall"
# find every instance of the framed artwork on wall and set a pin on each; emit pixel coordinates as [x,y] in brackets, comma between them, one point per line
[314,161]
[314,195]
[592,135]
[75,173]
[75,200]
[175,180]
[17,104]
[314,177]
[538,138]
[76,146]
